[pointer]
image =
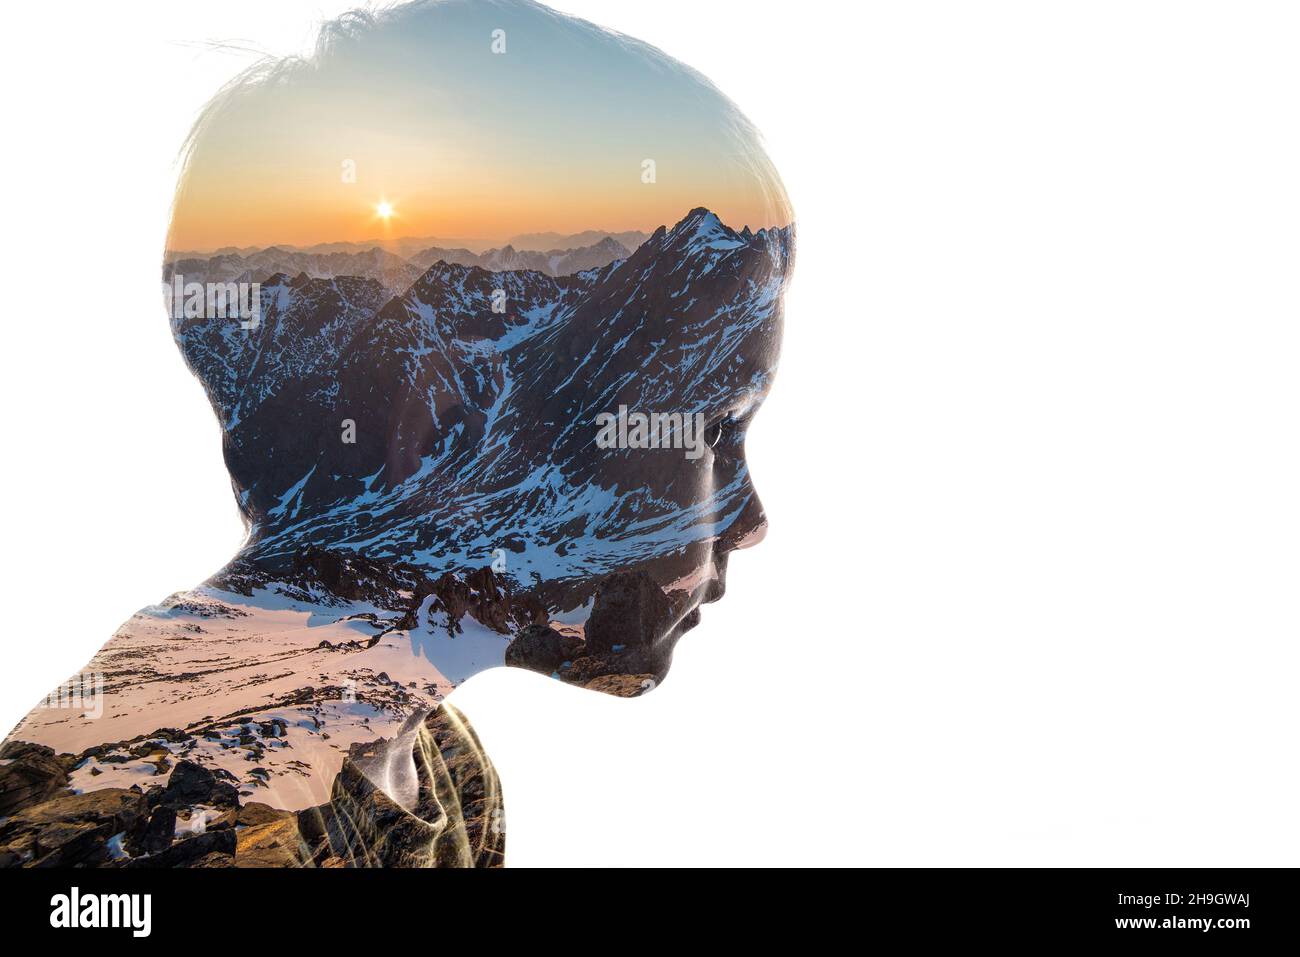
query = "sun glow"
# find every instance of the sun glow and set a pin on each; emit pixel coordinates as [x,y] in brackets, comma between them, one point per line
[384,209]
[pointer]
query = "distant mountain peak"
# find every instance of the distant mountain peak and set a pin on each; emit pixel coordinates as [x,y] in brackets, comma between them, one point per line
[700,213]
[702,230]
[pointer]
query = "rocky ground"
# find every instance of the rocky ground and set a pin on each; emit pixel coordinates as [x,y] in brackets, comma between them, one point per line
[199,818]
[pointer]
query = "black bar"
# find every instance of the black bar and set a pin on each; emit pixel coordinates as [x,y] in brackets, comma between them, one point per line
[1045,906]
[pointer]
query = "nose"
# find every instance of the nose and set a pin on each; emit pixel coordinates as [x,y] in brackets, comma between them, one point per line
[755,536]
[748,529]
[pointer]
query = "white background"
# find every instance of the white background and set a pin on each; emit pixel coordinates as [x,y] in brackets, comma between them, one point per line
[1029,594]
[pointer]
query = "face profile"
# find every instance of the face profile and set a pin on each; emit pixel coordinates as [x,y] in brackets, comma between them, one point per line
[484,299]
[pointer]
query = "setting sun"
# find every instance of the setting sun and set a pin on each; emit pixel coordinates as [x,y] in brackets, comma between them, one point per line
[384,209]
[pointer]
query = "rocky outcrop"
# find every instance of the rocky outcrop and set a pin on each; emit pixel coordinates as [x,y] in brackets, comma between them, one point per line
[630,611]
[351,576]
[624,650]
[345,577]
[490,599]
[72,830]
[33,773]
[196,851]
[542,649]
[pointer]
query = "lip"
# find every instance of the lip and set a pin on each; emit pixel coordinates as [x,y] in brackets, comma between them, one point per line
[706,592]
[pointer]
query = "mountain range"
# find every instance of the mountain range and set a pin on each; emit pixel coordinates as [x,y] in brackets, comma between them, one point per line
[405,246]
[395,273]
[473,428]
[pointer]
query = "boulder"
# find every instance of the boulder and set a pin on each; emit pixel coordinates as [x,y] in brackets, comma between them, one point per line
[121,807]
[630,611]
[224,794]
[35,774]
[542,649]
[157,835]
[190,783]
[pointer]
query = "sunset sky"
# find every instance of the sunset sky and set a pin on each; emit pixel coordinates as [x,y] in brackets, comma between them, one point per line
[463,142]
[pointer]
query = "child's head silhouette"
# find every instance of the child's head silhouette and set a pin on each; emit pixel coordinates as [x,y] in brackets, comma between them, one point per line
[559,408]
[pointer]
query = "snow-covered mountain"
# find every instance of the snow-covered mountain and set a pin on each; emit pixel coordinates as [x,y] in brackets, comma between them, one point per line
[474,429]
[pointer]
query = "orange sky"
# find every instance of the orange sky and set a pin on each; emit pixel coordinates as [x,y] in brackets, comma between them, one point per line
[467,143]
